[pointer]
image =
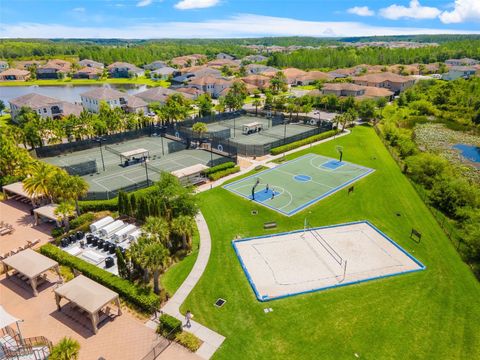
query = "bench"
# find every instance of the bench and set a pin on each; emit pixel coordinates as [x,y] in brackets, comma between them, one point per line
[270,225]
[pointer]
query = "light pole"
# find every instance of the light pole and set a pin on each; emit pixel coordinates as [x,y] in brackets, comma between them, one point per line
[99,140]
[146,169]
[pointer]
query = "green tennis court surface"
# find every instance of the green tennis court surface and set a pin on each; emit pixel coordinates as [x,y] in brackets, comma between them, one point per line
[297,184]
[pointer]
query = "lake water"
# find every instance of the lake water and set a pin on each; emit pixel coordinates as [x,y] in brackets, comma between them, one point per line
[69,92]
[470,152]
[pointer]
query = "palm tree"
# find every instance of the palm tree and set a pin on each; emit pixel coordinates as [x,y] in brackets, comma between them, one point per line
[155,258]
[64,211]
[200,128]
[78,188]
[152,256]
[158,228]
[37,184]
[184,226]
[257,102]
[65,349]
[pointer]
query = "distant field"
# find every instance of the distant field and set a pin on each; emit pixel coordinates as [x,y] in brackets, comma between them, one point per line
[432,314]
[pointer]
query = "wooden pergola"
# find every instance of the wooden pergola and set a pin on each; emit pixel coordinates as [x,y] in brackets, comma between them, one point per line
[30,265]
[89,296]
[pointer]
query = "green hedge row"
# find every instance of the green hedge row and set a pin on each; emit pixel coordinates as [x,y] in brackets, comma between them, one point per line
[169,326]
[99,205]
[297,144]
[218,168]
[144,298]
[219,174]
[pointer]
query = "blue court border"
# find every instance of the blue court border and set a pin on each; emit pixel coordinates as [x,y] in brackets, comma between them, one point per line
[266,298]
[367,172]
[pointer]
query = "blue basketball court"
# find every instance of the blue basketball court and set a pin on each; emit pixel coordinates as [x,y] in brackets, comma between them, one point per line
[291,187]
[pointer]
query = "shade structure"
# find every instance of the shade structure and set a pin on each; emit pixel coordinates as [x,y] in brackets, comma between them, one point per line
[30,264]
[6,319]
[17,189]
[47,211]
[88,295]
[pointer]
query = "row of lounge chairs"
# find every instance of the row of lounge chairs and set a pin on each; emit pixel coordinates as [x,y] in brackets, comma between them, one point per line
[29,245]
[5,228]
[21,198]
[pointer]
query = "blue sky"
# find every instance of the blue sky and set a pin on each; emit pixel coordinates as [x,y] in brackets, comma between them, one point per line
[234,18]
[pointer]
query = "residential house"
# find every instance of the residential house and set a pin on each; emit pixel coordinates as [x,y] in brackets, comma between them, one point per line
[90,63]
[394,82]
[124,70]
[357,91]
[461,62]
[457,72]
[293,74]
[210,84]
[255,58]
[26,65]
[3,65]
[155,65]
[88,73]
[53,69]
[188,60]
[156,94]
[312,76]
[15,74]
[193,72]
[254,69]
[198,71]
[343,89]
[91,100]
[163,73]
[220,63]
[259,81]
[225,56]
[189,93]
[45,106]
[341,73]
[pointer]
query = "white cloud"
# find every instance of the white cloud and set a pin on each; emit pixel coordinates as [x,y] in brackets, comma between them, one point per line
[361,11]
[79,10]
[195,4]
[414,11]
[143,3]
[463,10]
[242,25]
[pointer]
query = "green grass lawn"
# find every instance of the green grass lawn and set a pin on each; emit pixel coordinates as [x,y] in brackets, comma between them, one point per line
[432,314]
[177,273]
[63,82]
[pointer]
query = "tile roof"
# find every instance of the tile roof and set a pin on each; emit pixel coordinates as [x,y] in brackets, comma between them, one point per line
[15,72]
[104,93]
[156,94]
[381,77]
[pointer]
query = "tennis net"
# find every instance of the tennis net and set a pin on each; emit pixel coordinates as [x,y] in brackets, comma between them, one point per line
[112,150]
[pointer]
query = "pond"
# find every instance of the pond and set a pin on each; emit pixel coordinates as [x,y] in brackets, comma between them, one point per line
[68,92]
[470,152]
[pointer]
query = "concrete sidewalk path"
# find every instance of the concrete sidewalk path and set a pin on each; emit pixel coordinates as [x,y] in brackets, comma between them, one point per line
[211,339]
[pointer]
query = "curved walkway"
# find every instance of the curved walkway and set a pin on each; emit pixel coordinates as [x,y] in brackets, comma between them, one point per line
[211,339]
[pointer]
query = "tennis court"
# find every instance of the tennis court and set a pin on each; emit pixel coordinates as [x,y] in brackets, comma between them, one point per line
[297,184]
[270,133]
[170,156]
[314,259]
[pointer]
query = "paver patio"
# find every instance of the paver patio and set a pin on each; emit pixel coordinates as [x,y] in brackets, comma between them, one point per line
[17,214]
[124,338]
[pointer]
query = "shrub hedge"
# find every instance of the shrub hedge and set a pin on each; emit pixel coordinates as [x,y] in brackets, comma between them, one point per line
[169,326]
[144,298]
[81,220]
[99,205]
[190,341]
[218,168]
[219,174]
[297,144]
